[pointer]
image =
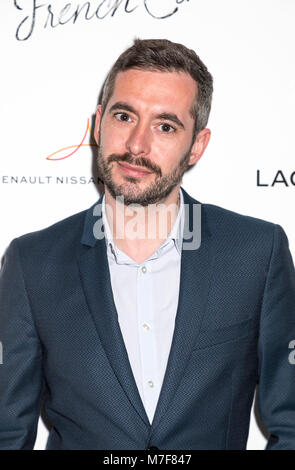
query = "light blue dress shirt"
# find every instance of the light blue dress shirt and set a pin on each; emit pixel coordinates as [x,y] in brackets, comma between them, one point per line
[146,299]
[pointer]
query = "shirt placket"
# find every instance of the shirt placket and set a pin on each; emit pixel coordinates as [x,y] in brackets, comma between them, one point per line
[147,337]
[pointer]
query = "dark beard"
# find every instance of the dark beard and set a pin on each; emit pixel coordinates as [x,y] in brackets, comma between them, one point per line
[157,191]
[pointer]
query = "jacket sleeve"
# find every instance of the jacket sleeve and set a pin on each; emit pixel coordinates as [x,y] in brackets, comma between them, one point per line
[21,359]
[276,390]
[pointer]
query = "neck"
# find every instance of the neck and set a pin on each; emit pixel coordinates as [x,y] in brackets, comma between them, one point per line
[143,227]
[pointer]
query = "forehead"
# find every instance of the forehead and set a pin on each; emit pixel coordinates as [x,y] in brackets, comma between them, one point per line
[155,89]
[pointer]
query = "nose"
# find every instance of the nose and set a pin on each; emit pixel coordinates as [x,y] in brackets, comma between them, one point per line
[139,140]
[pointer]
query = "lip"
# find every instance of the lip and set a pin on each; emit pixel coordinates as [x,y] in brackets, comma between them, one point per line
[133,171]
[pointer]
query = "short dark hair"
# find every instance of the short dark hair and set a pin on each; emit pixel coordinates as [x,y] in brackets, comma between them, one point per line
[164,55]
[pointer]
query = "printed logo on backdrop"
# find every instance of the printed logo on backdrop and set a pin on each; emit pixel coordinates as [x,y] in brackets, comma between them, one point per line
[37,15]
[57,155]
[68,151]
[280,178]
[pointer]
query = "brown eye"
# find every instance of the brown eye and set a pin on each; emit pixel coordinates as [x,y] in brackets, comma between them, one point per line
[122,117]
[166,128]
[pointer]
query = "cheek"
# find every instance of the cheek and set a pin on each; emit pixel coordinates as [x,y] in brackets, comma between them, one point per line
[168,155]
[112,141]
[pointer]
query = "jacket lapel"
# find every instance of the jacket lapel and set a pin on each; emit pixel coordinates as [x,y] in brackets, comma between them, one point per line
[95,275]
[195,275]
[196,269]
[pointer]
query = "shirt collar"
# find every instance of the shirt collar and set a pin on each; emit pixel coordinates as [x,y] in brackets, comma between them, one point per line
[175,234]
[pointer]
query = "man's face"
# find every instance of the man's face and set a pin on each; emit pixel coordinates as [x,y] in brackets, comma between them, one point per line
[145,135]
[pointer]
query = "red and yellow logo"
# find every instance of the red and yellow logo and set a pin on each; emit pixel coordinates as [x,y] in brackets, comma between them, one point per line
[53,156]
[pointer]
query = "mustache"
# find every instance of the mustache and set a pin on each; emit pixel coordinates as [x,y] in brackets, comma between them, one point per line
[139,161]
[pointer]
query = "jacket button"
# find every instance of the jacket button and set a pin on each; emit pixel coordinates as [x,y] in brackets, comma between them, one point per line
[153,448]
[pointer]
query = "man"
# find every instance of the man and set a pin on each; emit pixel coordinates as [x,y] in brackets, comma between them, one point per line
[138,341]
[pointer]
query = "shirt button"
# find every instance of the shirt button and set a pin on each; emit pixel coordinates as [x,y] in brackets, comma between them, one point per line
[151,383]
[146,327]
[143,269]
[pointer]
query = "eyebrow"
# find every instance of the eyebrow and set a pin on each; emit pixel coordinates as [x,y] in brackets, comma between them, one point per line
[121,105]
[166,116]
[170,117]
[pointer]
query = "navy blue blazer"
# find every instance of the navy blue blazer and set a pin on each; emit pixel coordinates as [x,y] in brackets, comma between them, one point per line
[62,343]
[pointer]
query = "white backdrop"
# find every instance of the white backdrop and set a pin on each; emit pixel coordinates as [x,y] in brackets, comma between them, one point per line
[54,60]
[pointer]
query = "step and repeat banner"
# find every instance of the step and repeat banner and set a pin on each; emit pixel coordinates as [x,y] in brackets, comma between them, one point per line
[55,57]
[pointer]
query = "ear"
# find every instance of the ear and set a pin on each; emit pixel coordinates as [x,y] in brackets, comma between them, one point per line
[199,146]
[97,123]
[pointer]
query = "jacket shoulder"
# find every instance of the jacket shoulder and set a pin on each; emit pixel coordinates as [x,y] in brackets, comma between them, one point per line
[226,221]
[61,237]
[241,234]
[231,219]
